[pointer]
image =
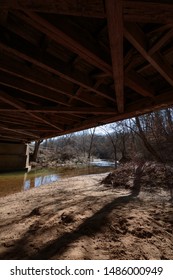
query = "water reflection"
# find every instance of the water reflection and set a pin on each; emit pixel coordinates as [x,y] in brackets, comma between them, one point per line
[27,185]
[39,181]
[19,181]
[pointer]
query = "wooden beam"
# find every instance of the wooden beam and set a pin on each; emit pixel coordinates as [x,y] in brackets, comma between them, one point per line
[31,74]
[41,91]
[3,16]
[84,8]
[146,65]
[53,65]
[137,38]
[19,118]
[20,106]
[12,101]
[160,29]
[77,93]
[73,37]
[139,11]
[80,90]
[161,41]
[34,128]
[129,57]
[17,123]
[136,11]
[65,110]
[139,84]
[32,89]
[85,124]
[143,107]
[161,101]
[23,132]
[14,138]
[138,108]
[115,28]
[148,11]
[135,109]
[35,76]
[23,124]
[100,75]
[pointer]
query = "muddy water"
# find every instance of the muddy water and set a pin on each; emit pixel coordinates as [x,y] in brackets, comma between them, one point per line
[20,181]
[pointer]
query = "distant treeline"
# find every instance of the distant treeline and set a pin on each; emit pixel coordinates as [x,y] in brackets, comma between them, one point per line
[149,137]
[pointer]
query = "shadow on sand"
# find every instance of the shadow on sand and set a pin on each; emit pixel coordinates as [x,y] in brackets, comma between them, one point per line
[89,227]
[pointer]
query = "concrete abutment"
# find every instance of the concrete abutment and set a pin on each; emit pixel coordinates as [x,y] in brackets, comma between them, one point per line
[14,157]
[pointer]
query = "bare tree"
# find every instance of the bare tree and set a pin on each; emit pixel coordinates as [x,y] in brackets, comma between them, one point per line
[147,144]
[113,139]
[33,156]
[91,143]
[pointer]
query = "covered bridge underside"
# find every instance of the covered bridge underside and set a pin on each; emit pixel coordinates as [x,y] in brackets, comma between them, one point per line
[67,65]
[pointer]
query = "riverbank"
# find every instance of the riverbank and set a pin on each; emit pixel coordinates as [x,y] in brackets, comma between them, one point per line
[77,218]
[14,182]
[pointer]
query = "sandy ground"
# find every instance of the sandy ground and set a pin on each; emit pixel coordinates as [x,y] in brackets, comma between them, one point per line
[78,218]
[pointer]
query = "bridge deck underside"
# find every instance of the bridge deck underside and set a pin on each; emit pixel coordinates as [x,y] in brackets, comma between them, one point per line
[70,65]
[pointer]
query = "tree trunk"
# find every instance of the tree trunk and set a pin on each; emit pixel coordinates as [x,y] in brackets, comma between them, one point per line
[137,178]
[169,122]
[36,148]
[145,141]
[91,143]
[113,144]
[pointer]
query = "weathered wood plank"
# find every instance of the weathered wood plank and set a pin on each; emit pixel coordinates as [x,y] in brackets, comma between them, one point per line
[73,37]
[23,132]
[21,107]
[60,110]
[115,29]
[148,12]
[84,8]
[28,52]
[160,42]
[137,38]
[139,84]
[44,93]
[3,16]
[136,11]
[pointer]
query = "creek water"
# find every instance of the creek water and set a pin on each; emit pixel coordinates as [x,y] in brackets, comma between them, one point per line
[19,181]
